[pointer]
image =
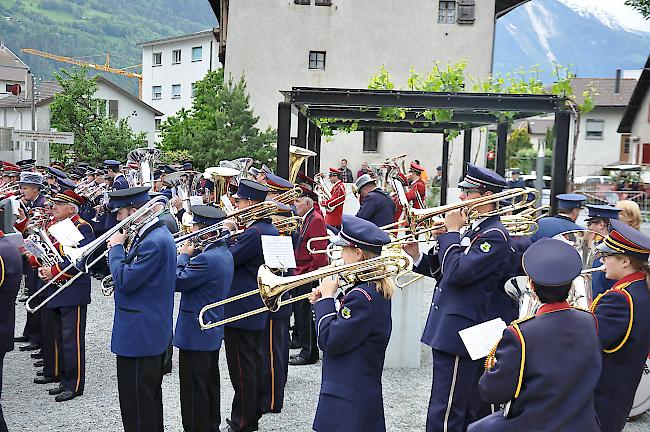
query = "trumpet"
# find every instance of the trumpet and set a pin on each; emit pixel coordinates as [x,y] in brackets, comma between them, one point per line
[79,256]
[271,288]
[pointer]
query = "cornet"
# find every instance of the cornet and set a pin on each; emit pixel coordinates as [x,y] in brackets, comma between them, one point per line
[79,256]
[271,288]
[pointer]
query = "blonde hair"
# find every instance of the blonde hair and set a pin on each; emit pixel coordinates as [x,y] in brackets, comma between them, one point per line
[630,211]
[385,286]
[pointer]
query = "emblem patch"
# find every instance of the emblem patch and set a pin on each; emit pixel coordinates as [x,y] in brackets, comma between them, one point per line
[346,313]
[485,247]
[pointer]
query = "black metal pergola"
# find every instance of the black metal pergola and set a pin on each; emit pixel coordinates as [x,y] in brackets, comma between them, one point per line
[470,110]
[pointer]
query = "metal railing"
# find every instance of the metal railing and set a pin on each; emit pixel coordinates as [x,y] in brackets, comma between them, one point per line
[611,197]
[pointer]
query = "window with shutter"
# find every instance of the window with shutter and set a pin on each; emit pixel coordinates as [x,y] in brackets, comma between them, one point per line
[466,11]
[112,109]
[301,2]
[370,141]
[323,2]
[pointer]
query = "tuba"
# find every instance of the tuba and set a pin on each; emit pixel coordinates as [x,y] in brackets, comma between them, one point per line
[271,287]
[220,176]
[147,158]
[297,155]
[241,164]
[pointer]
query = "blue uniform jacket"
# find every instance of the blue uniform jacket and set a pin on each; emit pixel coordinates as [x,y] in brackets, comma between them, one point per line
[469,270]
[550,226]
[625,348]
[11,272]
[378,208]
[246,250]
[353,341]
[78,293]
[513,184]
[145,280]
[203,279]
[561,369]
[119,183]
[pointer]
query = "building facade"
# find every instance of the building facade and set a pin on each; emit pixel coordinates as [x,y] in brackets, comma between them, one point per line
[279,44]
[171,66]
[636,120]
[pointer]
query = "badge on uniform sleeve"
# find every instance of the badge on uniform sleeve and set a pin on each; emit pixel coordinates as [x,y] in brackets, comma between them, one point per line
[485,247]
[346,313]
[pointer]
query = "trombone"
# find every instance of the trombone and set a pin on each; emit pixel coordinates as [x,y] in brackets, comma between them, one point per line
[79,256]
[271,287]
[288,225]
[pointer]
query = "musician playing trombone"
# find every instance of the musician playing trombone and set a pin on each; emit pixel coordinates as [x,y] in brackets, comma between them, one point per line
[202,276]
[353,337]
[68,309]
[144,275]
[471,269]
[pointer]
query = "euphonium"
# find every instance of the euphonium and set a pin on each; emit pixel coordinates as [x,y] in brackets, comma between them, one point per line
[297,155]
[220,176]
[288,225]
[42,247]
[272,287]
[288,197]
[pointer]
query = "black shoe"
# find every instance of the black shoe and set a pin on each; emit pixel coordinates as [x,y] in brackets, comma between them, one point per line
[300,361]
[31,347]
[20,339]
[38,363]
[39,373]
[46,380]
[36,355]
[56,390]
[294,345]
[66,396]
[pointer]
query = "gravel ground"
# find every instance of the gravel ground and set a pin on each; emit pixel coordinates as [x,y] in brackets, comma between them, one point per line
[27,406]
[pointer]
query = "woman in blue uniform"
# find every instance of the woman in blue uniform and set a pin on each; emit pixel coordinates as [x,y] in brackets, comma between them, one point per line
[623,325]
[353,338]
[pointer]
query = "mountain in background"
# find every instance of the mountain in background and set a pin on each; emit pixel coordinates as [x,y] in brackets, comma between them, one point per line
[594,42]
[87,29]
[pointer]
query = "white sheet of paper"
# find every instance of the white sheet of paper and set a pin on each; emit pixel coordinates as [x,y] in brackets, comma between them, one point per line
[66,233]
[278,252]
[196,200]
[400,192]
[481,338]
[15,205]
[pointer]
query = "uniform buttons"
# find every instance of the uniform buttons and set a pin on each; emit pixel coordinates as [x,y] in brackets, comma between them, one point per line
[435,307]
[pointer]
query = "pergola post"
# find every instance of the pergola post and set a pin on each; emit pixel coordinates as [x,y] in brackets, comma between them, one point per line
[444,182]
[467,149]
[501,150]
[301,139]
[317,137]
[311,145]
[284,139]
[560,157]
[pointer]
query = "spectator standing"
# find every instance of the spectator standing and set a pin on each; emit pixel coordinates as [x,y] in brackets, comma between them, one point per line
[630,213]
[346,174]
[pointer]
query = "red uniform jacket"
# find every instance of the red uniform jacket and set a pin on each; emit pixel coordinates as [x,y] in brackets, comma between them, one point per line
[313,226]
[416,193]
[334,205]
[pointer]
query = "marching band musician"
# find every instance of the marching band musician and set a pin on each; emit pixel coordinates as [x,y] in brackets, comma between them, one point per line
[334,205]
[69,307]
[304,333]
[144,279]
[354,337]
[11,266]
[243,337]
[417,190]
[470,269]
[568,209]
[201,278]
[118,182]
[623,325]
[598,222]
[399,208]
[544,398]
[376,205]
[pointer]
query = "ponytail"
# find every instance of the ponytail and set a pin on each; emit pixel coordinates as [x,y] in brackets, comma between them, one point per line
[384,286]
[642,266]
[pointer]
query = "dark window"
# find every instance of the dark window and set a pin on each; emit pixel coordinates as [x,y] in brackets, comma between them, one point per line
[301,2]
[447,12]
[323,2]
[595,129]
[317,60]
[112,109]
[157,59]
[466,11]
[157,122]
[370,141]
[176,56]
[645,159]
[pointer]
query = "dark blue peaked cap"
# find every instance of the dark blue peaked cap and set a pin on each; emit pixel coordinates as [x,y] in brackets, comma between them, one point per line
[551,262]
[252,190]
[623,239]
[208,215]
[362,234]
[479,177]
[130,196]
[602,212]
[570,200]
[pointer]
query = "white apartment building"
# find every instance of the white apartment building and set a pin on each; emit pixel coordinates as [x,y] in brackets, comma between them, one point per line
[12,70]
[280,44]
[636,120]
[171,67]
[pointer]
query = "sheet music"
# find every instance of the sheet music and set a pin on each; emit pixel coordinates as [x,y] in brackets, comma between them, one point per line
[196,200]
[481,338]
[278,252]
[66,233]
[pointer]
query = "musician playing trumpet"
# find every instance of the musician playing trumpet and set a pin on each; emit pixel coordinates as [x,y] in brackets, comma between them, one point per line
[202,276]
[519,371]
[353,337]
[334,204]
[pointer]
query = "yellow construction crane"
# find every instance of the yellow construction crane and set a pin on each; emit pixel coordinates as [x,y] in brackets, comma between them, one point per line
[104,68]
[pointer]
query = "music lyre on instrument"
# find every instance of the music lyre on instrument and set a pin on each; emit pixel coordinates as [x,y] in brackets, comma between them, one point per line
[147,159]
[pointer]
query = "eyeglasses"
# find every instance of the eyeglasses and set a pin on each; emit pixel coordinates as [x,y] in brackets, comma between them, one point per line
[468,191]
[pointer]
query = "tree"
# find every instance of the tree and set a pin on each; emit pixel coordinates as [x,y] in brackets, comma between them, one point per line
[519,139]
[641,6]
[96,136]
[219,126]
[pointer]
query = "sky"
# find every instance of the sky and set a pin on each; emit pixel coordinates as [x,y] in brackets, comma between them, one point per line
[627,16]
